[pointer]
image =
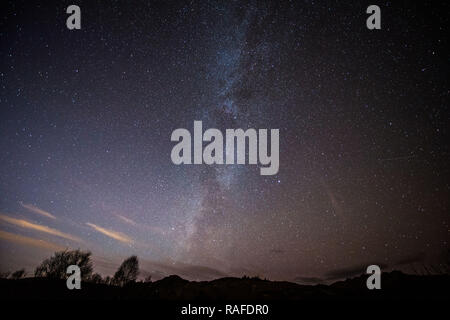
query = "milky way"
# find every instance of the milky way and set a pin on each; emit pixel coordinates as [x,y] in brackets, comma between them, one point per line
[87,115]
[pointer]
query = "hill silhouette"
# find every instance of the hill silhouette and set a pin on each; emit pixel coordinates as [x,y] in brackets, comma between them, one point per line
[395,285]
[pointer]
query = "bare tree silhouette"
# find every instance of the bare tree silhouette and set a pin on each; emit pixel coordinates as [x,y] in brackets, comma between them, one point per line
[148,279]
[96,278]
[127,272]
[55,267]
[19,274]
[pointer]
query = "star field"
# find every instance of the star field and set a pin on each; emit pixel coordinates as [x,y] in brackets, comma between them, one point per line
[87,115]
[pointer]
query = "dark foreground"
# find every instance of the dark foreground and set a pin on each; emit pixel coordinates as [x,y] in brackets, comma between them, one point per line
[395,285]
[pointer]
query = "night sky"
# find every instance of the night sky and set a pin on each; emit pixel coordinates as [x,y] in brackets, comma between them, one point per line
[86,118]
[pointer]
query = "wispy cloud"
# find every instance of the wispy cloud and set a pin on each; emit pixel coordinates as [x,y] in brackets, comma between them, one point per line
[188,271]
[308,280]
[142,226]
[161,269]
[29,225]
[351,271]
[119,236]
[16,238]
[126,220]
[37,210]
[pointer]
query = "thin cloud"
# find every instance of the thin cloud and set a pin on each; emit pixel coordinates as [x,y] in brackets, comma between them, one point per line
[308,280]
[126,220]
[112,234]
[351,271]
[144,226]
[29,225]
[16,238]
[37,210]
[187,271]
